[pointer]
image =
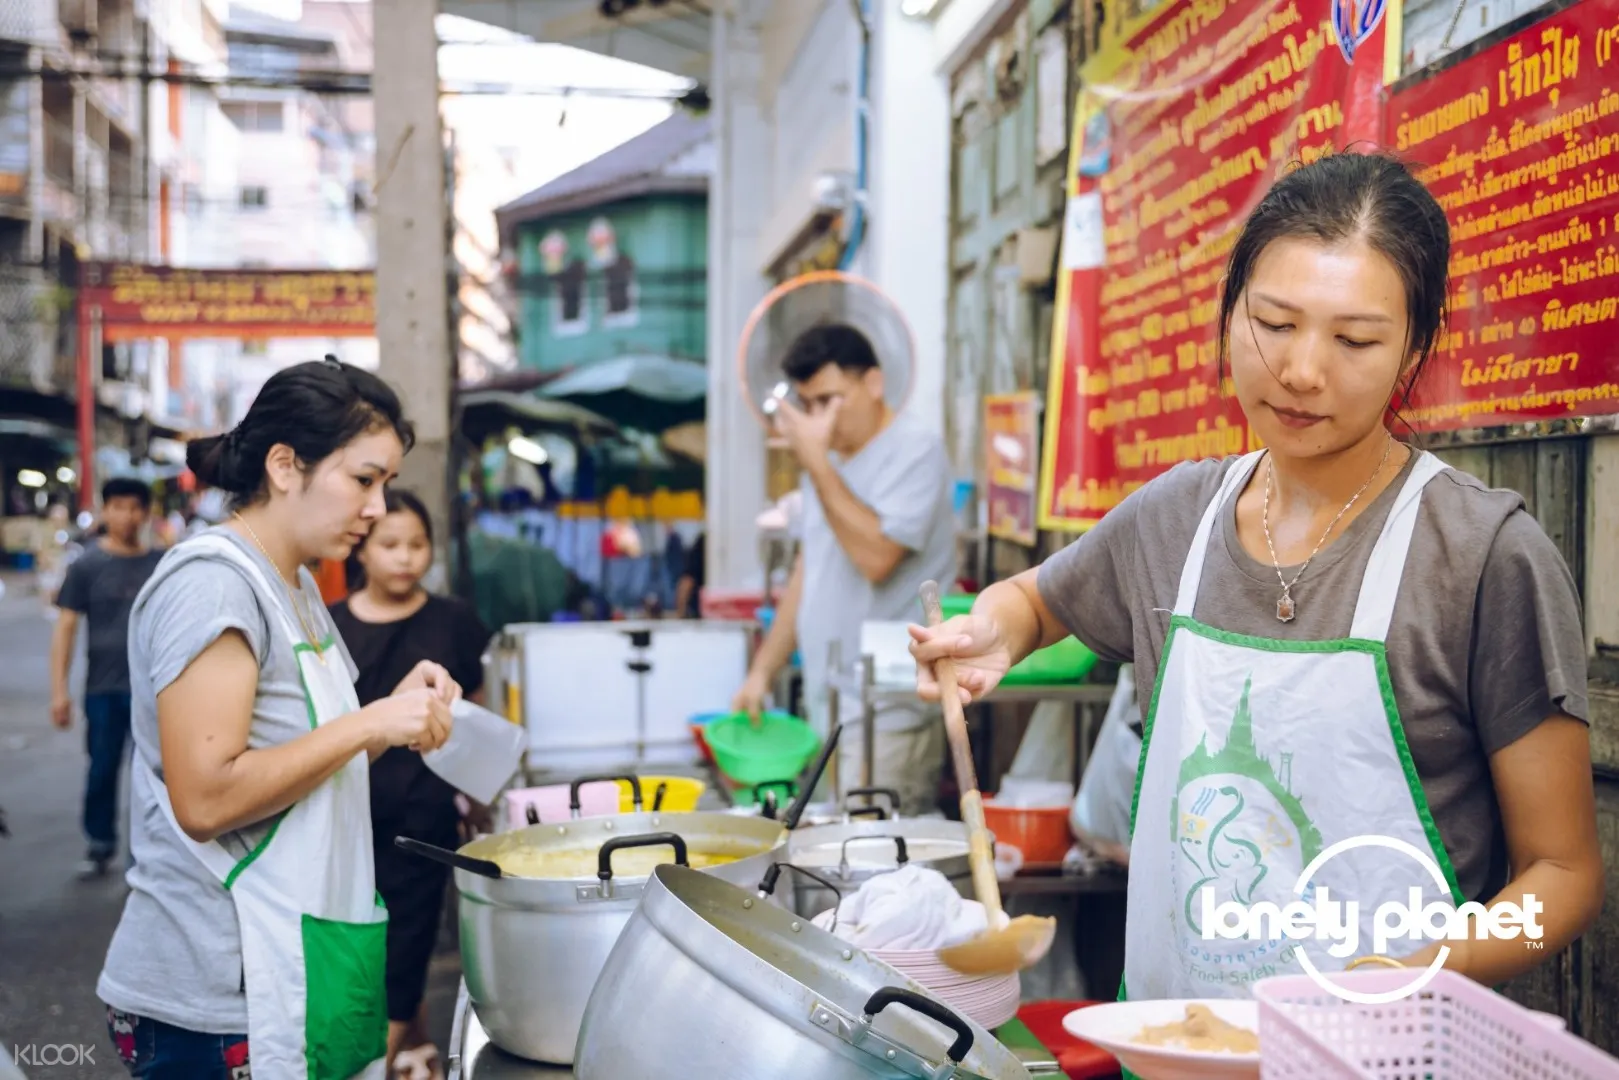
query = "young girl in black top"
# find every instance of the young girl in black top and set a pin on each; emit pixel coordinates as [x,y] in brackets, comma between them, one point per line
[390,624]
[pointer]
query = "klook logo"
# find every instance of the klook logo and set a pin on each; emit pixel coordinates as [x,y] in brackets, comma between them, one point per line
[45,1054]
[1337,923]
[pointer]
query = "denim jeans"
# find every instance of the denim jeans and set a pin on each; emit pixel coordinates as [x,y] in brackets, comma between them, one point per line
[106,734]
[153,1050]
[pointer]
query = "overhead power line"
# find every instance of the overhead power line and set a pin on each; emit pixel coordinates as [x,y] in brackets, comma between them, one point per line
[354,83]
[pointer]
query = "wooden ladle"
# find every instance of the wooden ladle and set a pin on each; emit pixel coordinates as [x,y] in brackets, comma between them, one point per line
[1025,940]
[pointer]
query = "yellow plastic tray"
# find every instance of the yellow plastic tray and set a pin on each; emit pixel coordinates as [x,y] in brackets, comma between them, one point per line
[681,798]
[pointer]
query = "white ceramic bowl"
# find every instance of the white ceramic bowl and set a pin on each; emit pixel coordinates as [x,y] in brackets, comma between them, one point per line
[1115,1025]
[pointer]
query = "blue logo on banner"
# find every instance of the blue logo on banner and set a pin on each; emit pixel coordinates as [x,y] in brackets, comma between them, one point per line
[1354,21]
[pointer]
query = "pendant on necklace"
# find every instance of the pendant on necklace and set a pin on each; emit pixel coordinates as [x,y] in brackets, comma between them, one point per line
[1285,609]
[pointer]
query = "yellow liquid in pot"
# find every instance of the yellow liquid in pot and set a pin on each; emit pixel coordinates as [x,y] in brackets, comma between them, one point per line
[584,862]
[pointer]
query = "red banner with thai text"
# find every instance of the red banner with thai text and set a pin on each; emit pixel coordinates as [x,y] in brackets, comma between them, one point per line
[1207,104]
[163,301]
[1520,144]
[1012,453]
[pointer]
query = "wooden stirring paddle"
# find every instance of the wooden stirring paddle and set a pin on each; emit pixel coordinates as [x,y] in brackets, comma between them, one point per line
[1025,940]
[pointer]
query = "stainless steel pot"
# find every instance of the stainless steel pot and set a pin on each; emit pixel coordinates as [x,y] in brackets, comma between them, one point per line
[852,853]
[532,948]
[708,980]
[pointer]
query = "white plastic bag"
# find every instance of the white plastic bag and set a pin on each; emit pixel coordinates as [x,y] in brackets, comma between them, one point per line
[1101,810]
[1047,749]
[482,753]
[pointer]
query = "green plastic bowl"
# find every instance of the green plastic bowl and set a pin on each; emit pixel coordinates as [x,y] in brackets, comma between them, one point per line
[1068,661]
[781,746]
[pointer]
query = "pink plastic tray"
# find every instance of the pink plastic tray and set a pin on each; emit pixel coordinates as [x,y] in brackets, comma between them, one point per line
[1452,1029]
[597,799]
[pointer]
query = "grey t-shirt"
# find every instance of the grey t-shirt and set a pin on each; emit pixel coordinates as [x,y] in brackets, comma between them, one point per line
[102,587]
[176,955]
[1485,642]
[902,475]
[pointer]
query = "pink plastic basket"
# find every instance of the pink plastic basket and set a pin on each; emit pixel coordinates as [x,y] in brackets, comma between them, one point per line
[1451,1029]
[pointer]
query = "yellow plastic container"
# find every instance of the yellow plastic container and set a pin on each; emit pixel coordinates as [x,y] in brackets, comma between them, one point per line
[680,798]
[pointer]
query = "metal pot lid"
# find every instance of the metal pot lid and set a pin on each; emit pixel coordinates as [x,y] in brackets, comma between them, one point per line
[816,982]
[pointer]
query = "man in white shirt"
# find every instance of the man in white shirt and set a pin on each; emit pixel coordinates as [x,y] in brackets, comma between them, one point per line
[877,521]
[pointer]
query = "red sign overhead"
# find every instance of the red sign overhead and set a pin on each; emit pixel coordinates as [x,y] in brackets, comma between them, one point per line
[1520,143]
[162,301]
[1210,101]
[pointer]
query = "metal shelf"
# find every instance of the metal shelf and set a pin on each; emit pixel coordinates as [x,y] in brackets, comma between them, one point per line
[1102,881]
[866,696]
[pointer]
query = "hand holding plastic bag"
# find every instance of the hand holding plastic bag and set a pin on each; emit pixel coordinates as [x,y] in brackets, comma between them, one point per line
[483,752]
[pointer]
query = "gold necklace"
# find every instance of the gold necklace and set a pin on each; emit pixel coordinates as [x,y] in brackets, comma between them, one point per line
[1286,606]
[309,635]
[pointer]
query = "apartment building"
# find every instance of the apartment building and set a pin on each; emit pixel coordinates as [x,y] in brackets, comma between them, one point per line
[303,161]
[78,181]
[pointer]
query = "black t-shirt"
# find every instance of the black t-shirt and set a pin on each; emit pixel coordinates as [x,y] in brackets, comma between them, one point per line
[102,587]
[408,798]
[696,569]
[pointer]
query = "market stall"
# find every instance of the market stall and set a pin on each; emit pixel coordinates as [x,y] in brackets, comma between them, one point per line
[729,976]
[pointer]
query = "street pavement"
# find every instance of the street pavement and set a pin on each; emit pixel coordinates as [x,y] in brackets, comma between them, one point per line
[54,928]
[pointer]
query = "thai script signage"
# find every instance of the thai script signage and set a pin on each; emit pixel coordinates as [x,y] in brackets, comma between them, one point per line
[161,301]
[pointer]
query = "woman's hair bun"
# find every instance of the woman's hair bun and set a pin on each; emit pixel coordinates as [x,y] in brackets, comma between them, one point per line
[215,461]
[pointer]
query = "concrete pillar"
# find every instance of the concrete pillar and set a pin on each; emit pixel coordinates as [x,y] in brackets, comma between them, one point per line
[413,318]
[35,252]
[908,230]
[736,207]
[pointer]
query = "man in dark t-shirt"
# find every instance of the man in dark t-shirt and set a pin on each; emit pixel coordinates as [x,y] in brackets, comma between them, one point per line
[100,587]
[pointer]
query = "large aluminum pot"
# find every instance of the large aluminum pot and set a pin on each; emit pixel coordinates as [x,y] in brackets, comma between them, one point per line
[850,854]
[532,947]
[709,981]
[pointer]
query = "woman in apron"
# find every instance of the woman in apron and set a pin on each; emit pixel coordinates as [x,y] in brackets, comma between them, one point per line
[1342,637]
[253,938]
[391,624]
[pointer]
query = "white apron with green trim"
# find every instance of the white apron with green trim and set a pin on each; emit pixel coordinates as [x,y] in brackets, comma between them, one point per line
[1259,754]
[313,929]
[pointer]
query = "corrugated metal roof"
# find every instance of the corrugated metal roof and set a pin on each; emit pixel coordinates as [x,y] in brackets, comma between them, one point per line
[650,163]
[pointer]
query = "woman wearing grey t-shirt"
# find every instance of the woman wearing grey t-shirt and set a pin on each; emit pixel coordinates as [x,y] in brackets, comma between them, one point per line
[252,937]
[1367,671]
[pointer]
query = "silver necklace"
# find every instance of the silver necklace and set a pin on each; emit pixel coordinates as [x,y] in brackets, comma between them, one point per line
[1286,606]
[309,634]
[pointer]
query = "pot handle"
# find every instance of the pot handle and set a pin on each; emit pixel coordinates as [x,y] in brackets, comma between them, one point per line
[789,786]
[484,867]
[767,887]
[574,805]
[868,811]
[812,779]
[868,792]
[604,859]
[902,855]
[894,995]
